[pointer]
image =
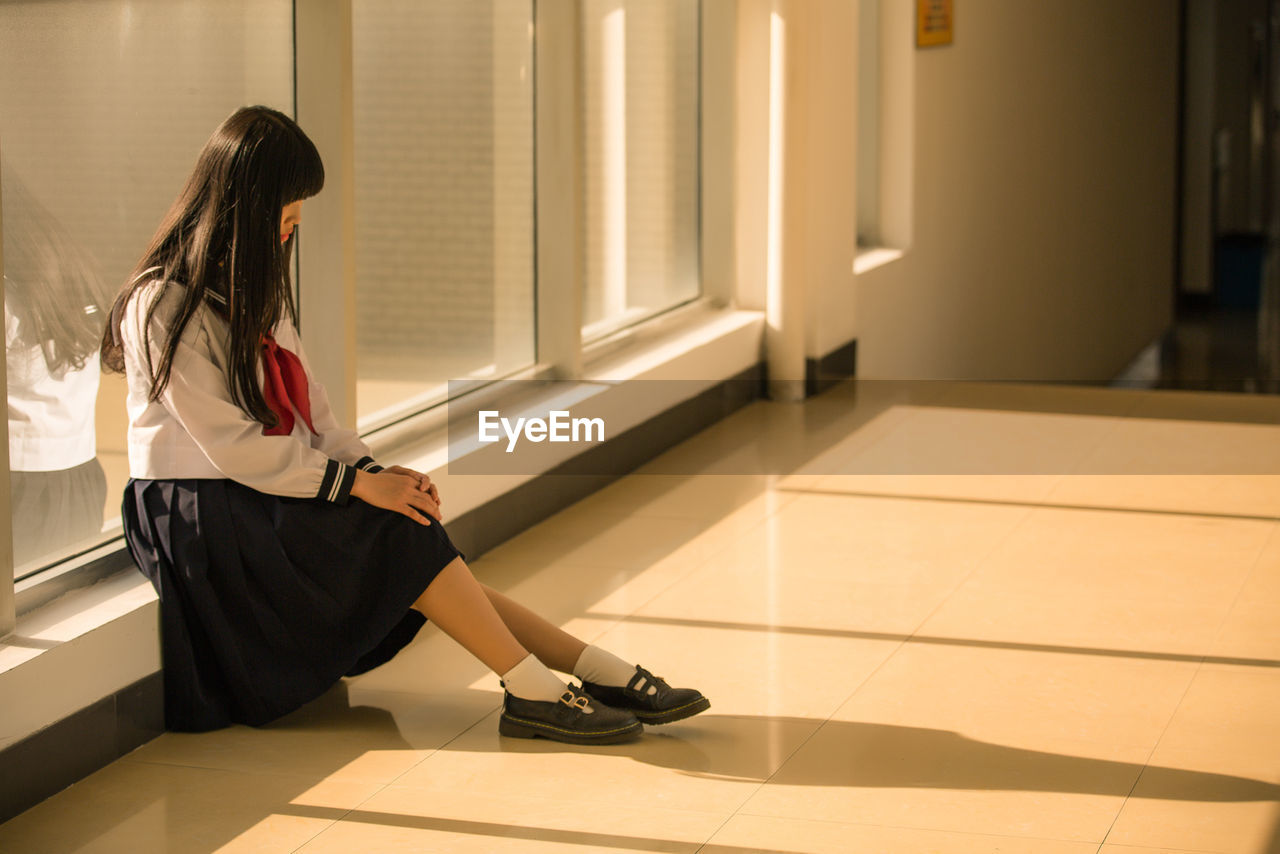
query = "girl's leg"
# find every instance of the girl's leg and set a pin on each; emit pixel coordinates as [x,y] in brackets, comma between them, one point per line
[604,676]
[536,702]
[558,649]
[553,646]
[457,604]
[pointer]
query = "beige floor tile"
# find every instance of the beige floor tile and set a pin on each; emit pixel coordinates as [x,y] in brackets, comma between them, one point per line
[795,483]
[401,818]
[563,591]
[980,488]
[778,439]
[1202,802]
[611,540]
[350,733]
[1228,712]
[1142,849]
[902,776]
[1023,699]
[560,588]
[1251,629]
[707,497]
[953,441]
[877,540]
[1065,555]
[1210,494]
[753,833]
[1263,585]
[139,806]
[852,566]
[1123,628]
[1251,632]
[611,562]
[765,439]
[1152,446]
[710,763]
[1026,397]
[767,595]
[859,432]
[856,567]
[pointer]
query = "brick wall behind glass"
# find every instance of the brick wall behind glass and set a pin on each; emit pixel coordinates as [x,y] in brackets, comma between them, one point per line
[444,187]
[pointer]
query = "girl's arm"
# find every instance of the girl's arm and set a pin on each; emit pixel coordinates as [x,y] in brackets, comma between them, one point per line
[345,444]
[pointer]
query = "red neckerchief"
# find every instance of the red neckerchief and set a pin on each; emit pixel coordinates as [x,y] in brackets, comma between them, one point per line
[284,383]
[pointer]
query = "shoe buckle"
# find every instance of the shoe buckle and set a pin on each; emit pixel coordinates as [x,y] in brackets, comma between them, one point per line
[579,702]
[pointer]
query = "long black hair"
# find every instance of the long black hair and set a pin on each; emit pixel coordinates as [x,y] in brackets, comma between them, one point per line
[220,245]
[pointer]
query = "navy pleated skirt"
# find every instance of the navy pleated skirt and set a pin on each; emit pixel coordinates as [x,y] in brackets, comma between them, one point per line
[266,601]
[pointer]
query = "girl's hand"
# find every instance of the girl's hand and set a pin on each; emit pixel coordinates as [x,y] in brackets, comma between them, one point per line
[393,491]
[424,482]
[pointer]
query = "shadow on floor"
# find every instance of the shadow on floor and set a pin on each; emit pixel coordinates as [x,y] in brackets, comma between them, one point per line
[851,754]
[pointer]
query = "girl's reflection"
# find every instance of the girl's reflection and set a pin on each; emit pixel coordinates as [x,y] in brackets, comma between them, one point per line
[53,320]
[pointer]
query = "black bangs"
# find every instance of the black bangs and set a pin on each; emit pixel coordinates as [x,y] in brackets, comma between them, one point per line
[282,166]
[303,172]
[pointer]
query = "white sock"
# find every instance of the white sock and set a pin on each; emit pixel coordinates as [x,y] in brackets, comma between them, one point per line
[531,680]
[604,668]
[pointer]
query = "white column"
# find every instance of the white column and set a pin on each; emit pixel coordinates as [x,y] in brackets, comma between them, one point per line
[613,143]
[784,266]
[513,309]
[719,105]
[327,239]
[559,207]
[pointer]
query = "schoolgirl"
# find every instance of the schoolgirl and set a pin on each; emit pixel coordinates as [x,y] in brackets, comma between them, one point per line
[284,557]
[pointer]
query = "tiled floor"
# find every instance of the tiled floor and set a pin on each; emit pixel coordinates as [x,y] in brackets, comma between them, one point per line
[929,618]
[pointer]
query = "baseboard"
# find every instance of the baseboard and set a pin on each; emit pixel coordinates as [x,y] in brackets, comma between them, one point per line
[822,373]
[48,761]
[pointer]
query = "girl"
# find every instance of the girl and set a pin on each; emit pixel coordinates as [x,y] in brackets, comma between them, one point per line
[283,556]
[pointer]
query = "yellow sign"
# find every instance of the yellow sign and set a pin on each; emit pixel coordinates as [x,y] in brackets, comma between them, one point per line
[935,20]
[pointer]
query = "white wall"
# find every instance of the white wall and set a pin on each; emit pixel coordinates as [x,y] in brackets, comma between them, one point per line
[1042,230]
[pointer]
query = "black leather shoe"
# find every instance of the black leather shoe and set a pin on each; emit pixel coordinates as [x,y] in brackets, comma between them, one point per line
[575,718]
[665,705]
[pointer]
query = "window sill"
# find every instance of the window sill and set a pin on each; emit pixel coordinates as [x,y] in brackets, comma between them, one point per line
[75,650]
[872,257]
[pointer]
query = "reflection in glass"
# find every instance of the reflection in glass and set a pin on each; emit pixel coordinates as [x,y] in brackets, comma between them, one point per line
[54,300]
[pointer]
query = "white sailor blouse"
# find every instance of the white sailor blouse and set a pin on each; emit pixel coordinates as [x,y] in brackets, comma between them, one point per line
[196,430]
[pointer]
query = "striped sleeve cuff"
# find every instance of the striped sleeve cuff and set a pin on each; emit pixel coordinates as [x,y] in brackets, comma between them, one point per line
[367,464]
[337,482]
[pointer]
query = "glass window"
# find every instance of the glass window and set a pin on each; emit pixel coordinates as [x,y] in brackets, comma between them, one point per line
[103,107]
[444,198]
[640,165]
